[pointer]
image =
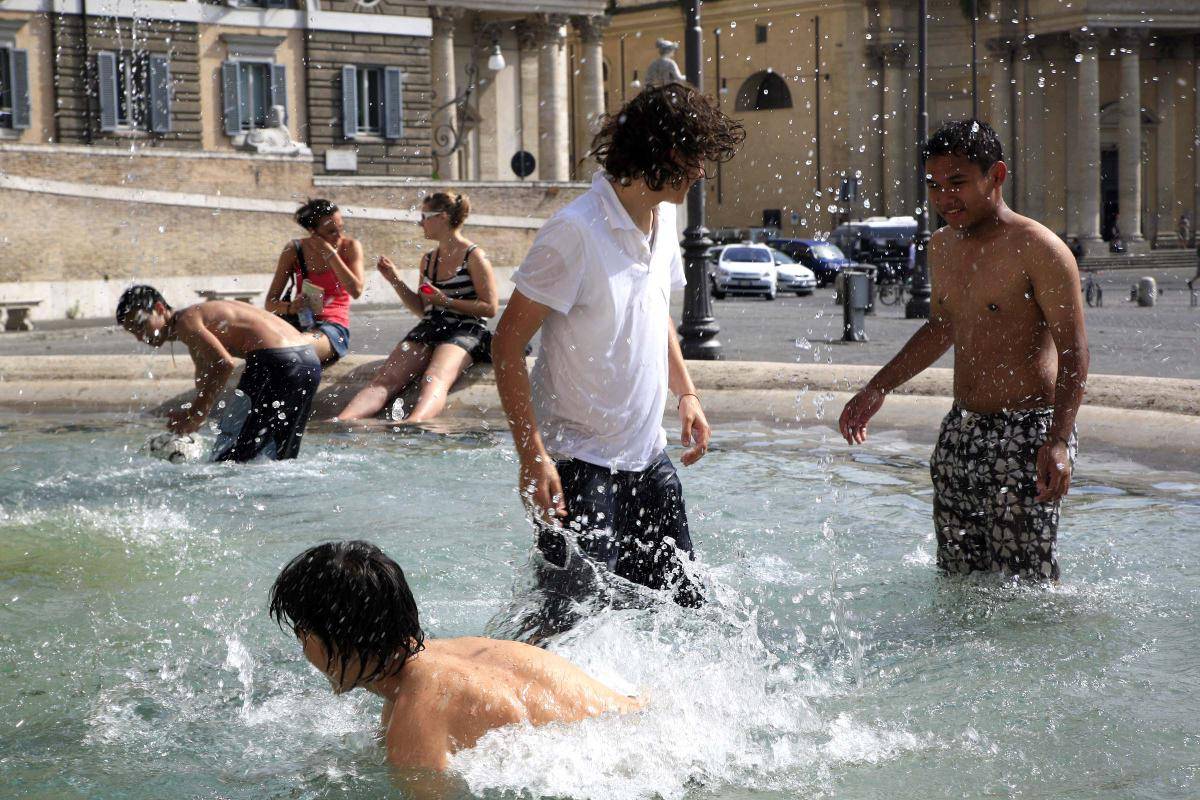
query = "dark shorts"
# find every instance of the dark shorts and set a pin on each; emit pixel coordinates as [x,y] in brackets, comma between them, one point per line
[629,524]
[434,331]
[338,336]
[984,471]
[276,395]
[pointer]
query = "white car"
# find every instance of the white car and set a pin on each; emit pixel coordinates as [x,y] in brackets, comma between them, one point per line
[744,269]
[791,276]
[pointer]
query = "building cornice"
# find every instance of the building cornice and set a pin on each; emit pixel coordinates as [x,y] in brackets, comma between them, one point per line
[209,14]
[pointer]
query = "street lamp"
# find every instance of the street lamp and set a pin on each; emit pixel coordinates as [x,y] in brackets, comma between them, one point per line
[698,330]
[917,306]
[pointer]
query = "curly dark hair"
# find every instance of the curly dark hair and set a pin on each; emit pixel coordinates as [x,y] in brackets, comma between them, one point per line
[663,133]
[971,138]
[355,599]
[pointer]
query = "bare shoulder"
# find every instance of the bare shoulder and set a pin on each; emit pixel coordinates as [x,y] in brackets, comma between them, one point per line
[477,257]
[1040,249]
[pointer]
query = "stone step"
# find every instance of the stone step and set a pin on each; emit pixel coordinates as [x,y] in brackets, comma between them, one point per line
[1154,260]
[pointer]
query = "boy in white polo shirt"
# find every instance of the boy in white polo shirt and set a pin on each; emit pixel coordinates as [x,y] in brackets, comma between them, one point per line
[588,423]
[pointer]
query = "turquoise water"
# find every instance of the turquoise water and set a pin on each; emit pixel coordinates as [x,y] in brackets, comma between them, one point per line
[137,659]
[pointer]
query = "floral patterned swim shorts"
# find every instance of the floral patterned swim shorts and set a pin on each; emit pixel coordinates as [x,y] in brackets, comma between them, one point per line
[984,471]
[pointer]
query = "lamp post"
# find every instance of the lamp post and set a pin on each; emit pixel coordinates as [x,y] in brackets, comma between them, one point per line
[698,330]
[917,306]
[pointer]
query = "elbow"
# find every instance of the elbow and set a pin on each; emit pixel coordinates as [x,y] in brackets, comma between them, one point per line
[491,309]
[226,366]
[356,290]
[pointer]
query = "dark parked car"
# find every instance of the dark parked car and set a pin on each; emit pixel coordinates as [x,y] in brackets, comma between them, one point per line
[824,259]
[882,241]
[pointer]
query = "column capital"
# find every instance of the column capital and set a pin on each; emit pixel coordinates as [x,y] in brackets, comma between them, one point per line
[444,19]
[591,27]
[1084,40]
[1032,49]
[1001,47]
[892,54]
[527,35]
[1131,40]
[549,28]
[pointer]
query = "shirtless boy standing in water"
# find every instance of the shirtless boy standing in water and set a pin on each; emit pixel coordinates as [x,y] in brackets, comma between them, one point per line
[1006,296]
[356,619]
[280,380]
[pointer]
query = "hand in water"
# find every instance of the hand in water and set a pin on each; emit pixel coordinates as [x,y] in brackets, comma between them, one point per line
[1053,471]
[857,413]
[183,421]
[696,431]
[541,489]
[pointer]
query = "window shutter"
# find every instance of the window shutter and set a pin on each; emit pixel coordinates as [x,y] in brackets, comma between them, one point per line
[20,88]
[349,102]
[393,103]
[160,94]
[279,88]
[231,97]
[106,64]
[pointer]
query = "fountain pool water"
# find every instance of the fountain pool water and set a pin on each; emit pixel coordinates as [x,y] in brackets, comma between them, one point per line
[137,659]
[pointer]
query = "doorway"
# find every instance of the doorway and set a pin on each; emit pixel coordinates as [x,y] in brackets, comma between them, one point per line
[1110,193]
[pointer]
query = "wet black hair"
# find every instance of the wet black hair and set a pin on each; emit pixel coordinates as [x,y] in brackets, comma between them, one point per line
[138,298]
[312,213]
[971,138]
[355,599]
[662,133]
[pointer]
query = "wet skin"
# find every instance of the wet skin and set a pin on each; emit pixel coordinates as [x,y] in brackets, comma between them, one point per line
[450,694]
[1006,296]
[214,332]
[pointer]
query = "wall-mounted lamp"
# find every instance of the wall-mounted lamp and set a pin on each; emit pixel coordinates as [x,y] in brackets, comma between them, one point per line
[724,86]
[496,60]
[635,83]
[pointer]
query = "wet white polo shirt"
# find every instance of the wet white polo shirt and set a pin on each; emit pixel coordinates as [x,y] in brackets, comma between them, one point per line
[600,381]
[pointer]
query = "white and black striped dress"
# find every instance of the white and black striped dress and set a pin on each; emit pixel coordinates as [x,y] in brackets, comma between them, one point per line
[446,326]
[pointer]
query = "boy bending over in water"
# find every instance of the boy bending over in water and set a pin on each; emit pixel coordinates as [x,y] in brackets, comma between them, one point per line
[280,380]
[354,615]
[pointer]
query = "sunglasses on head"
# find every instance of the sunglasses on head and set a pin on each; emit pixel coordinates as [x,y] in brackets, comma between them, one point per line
[430,214]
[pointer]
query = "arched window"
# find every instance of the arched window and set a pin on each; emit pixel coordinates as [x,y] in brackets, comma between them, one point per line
[763,91]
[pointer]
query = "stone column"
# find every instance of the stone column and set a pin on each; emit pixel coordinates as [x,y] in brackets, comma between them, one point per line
[897,161]
[1069,74]
[1033,114]
[1129,170]
[1196,144]
[1167,214]
[442,81]
[591,90]
[527,90]
[875,179]
[1000,52]
[1089,146]
[553,122]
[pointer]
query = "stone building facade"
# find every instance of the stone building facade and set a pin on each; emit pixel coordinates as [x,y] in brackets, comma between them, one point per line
[1094,100]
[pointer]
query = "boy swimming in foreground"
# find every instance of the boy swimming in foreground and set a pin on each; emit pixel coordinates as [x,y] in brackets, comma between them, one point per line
[355,617]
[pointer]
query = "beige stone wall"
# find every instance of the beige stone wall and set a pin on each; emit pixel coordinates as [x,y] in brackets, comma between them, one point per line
[51,237]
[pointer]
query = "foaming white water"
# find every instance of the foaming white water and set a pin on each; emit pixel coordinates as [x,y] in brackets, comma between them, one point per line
[722,711]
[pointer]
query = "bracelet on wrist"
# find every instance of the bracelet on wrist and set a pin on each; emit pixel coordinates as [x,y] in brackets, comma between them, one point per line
[686,394]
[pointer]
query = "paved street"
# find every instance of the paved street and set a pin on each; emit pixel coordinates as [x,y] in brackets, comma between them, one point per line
[1163,341]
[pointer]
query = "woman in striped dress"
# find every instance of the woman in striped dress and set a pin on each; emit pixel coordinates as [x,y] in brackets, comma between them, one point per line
[456,297]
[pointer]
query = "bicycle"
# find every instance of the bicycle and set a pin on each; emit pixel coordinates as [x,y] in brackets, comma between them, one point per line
[891,292]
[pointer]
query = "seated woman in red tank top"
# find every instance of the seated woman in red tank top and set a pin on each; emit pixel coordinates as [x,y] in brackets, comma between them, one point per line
[329,261]
[456,297]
